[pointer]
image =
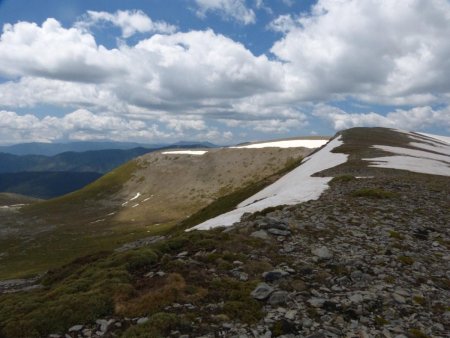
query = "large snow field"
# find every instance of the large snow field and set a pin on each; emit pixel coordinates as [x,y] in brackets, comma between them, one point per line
[434,159]
[285,144]
[295,187]
[184,152]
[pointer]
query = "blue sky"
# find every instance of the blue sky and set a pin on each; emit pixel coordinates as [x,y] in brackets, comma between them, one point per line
[220,70]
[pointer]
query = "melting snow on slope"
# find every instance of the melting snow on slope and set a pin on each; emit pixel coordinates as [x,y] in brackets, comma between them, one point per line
[418,165]
[412,160]
[286,144]
[441,138]
[434,159]
[131,199]
[185,152]
[295,187]
[136,196]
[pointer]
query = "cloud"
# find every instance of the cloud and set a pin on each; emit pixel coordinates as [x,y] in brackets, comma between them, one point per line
[284,24]
[417,118]
[229,9]
[289,3]
[130,22]
[375,50]
[78,125]
[51,51]
[186,72]
[199,83]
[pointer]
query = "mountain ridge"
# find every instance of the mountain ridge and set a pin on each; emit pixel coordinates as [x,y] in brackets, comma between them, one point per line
[367,257]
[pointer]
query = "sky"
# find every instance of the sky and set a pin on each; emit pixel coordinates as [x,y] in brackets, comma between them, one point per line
[223,71]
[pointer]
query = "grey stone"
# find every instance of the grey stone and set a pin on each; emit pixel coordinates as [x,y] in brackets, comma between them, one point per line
[262,291]
[290,315]
[323,252]
[274,275]
[278,232]
[142,320]
[260,234]
[316,301]
[278,298]
[317,335]
[398,298]
[76,328]
[356,298]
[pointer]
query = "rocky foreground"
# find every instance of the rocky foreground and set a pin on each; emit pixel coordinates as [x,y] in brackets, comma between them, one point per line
[370,258]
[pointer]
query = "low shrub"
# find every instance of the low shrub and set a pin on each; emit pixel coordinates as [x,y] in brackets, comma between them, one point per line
[376,193]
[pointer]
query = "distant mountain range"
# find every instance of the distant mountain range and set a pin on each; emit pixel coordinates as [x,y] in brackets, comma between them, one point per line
[45,176]
[51,149]
[99,161]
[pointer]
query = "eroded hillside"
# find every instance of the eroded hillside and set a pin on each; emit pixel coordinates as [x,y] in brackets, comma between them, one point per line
[146,196]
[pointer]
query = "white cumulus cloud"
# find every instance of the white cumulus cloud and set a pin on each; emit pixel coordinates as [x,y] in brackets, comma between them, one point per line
[417,118]
[200,82]
[229,9]
[375,50]
[130,22]
[78,125]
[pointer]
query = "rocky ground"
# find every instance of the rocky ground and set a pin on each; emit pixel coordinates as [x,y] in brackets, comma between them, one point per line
[370,258]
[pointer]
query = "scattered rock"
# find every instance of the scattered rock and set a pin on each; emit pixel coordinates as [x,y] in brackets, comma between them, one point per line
[323,252]
[76,328]
[260,234]
[278,232]
[262,291]
[316,302]
[142,320]
[278,298]
[272,276]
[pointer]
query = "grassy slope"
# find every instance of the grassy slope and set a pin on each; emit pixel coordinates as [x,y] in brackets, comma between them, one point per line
[11,199]
[52,247]
[104,283]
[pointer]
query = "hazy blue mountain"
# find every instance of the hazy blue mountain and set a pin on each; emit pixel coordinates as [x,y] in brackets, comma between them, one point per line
[45,184]
[193,144]
[100,161]
[51,149]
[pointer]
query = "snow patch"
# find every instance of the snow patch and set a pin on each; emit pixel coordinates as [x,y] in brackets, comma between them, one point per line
[413,153]
[445,139]
[414,160]
[285,144]
[133,198]
[414,164]
[184,152]
[295,187]
[136,205]
[98,221]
